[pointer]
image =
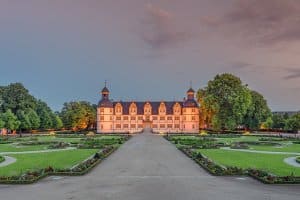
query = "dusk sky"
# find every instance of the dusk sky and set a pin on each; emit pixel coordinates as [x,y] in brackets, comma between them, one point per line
[64,50]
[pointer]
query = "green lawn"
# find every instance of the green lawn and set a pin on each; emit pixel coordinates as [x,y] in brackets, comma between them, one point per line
[15,148]
[268,162]
[284,148]
[64,159]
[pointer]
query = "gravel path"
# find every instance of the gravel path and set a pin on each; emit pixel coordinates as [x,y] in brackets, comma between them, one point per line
[39,151]
[265,152]
[8,160]
[292,161]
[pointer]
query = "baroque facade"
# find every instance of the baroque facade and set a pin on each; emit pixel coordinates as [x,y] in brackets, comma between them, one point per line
[160,117]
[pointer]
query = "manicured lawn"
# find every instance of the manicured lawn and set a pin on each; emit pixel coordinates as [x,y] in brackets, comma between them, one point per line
[284,148]
[63,159]
[268,162]
[15,148]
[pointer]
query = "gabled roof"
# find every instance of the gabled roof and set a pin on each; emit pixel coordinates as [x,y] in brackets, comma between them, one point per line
[154,105]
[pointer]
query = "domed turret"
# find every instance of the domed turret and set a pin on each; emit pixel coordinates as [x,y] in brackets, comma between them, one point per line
[105,102]
[190,101]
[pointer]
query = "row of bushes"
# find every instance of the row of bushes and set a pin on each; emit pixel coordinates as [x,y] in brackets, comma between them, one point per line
[298,159]
[198,143]
[219,170]
[80,169]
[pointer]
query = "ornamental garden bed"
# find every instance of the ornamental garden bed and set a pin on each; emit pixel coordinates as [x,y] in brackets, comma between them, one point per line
[216,169]
[80,169]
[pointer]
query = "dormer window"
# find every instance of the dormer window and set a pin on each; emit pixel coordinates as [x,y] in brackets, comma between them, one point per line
[133,109]
[162,108]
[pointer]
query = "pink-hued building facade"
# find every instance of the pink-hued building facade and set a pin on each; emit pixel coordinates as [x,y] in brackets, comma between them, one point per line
[161,117]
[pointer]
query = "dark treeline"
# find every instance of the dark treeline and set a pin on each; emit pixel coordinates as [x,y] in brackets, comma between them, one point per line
[226,103]
[20,111]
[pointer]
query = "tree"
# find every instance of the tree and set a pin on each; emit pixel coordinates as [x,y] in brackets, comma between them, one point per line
[278,121]
[293,123]
[258,111]
[16,97]
[10,120]
[45,113]
[57,122]
[205,109]
[33,118]
[2,123]
[229,99]
[24,120]
[78,115]
[267,124]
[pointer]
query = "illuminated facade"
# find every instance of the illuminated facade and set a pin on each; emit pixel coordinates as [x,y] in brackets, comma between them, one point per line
[161,117]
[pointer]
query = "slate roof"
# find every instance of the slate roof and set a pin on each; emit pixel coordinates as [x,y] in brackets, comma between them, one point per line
[154,105]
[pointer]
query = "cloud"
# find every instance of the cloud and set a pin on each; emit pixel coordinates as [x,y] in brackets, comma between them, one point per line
[293,74]
[159,29]
[264,21]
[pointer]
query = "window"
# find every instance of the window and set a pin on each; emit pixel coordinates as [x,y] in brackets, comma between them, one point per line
[118,126]
[118,118]
[193,110]
[102,110]
[169,118]
[111,110]
[140,118]
[101,127]
[111,118]
[133,118]
[154,118]
[193,118]
[177,126]
[170,126]
[125,125]
[132,126]
[154,125]
[177,118]
[101,118]
[184,118]
[162,126]
[125,118]
[193,126]
[140,126]
[162,118]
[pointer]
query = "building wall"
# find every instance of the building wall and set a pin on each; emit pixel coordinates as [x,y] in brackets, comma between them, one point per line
[186,121]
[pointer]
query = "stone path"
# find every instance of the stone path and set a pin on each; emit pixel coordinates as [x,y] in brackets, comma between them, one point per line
[38,151]
[264,152]
[292,161]
[8,160]
[148,167]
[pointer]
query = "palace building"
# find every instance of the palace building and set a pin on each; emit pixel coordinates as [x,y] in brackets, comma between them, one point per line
[159,116]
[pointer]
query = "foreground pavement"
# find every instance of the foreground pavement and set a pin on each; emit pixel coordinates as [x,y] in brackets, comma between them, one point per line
[147,167]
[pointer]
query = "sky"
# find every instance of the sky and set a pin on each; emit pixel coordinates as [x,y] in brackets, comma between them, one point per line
[64,50]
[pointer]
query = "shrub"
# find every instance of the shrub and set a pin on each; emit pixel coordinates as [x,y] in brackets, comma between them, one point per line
[2,159]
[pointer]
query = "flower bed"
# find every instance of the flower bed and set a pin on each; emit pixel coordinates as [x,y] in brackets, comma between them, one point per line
[218,170]
[80,169]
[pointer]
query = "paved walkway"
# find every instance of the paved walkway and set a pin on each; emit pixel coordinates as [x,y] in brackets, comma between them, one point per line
[264,152]
[8,160]
[147,167]
[292,161]
[37,151]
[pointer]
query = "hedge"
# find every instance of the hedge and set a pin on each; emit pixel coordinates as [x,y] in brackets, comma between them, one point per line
[2,159]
